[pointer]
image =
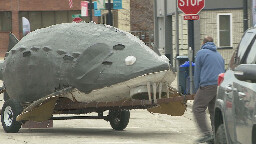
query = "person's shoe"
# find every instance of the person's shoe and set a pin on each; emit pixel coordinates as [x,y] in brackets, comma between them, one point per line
[205,138]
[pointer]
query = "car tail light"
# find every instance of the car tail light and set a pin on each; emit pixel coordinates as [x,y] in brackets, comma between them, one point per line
[220,78]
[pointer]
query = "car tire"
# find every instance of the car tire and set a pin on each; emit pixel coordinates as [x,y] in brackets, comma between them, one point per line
[220,137]
[119,119]
[10,111]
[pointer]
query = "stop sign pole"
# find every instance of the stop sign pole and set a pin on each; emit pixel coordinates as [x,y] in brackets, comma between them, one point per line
[191,8]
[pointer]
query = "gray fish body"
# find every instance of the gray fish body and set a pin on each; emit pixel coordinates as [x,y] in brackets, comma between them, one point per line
[85,56]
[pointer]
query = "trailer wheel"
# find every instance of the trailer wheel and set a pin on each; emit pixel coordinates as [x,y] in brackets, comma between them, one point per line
[10,111]
[6,97]
[119,119]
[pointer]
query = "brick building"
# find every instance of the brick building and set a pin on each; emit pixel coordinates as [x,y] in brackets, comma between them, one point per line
[40,13]
[142,15]
[142,20]
[135,16]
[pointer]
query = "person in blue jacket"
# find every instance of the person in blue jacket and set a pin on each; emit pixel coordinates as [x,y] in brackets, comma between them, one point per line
[208,65]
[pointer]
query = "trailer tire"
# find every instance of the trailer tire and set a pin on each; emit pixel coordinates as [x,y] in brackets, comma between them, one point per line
[220,137]
[119,119]
[10,110]
[6,96]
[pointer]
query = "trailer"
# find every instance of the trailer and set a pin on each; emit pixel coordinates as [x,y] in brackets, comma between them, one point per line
[118,112]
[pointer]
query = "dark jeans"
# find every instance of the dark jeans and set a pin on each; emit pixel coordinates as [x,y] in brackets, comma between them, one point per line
[205,97]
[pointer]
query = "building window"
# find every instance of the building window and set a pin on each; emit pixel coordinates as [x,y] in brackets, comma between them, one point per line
[5,21]
[41,19]
[224,22]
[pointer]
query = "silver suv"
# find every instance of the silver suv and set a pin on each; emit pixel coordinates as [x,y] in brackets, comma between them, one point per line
[235,108]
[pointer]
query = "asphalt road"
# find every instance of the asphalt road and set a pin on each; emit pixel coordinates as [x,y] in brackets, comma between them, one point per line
[143,128]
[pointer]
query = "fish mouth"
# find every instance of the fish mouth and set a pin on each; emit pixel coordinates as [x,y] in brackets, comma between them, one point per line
[151,86]
[148,86]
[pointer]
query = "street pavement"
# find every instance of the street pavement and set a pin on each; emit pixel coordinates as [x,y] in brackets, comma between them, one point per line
[143,128]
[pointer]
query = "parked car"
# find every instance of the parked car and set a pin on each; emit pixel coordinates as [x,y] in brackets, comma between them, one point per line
[235,108]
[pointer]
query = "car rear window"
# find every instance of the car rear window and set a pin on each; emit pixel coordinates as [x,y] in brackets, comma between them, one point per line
[245,42]
[251,59]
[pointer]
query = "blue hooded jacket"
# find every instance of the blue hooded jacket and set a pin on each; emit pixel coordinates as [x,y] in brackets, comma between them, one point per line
[209,64]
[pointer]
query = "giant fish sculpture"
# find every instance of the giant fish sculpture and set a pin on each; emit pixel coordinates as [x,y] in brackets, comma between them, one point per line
[84,62]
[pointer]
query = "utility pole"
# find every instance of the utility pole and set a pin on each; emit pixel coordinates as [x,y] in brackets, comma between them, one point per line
[191,37]
[245,17]
[110,17]
[90,9]
[156,30]
[191,45]
[177,34]
[168,34]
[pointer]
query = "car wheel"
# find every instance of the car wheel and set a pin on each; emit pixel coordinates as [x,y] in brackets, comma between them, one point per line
[10,111]
[220,137]
[119,119]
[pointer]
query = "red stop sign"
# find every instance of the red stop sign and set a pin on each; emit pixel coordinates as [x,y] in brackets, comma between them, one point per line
[191,7]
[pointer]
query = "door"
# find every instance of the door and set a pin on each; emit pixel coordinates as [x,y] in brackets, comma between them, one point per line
[229,106]
[244,101]
[244,94]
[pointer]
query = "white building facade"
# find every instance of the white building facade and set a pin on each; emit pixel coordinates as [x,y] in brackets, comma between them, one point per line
[223,20]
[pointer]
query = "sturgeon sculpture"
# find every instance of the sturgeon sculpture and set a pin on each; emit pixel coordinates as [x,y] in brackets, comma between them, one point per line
[84,62]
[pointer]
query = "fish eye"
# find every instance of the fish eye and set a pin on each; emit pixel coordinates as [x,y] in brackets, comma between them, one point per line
[130,60]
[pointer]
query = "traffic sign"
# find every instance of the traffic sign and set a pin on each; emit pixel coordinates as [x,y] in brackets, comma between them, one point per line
[97,12]
[117,4]
[191,7]
[191,17]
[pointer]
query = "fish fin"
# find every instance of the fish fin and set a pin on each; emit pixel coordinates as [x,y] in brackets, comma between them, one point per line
[42,109]
[12,41]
